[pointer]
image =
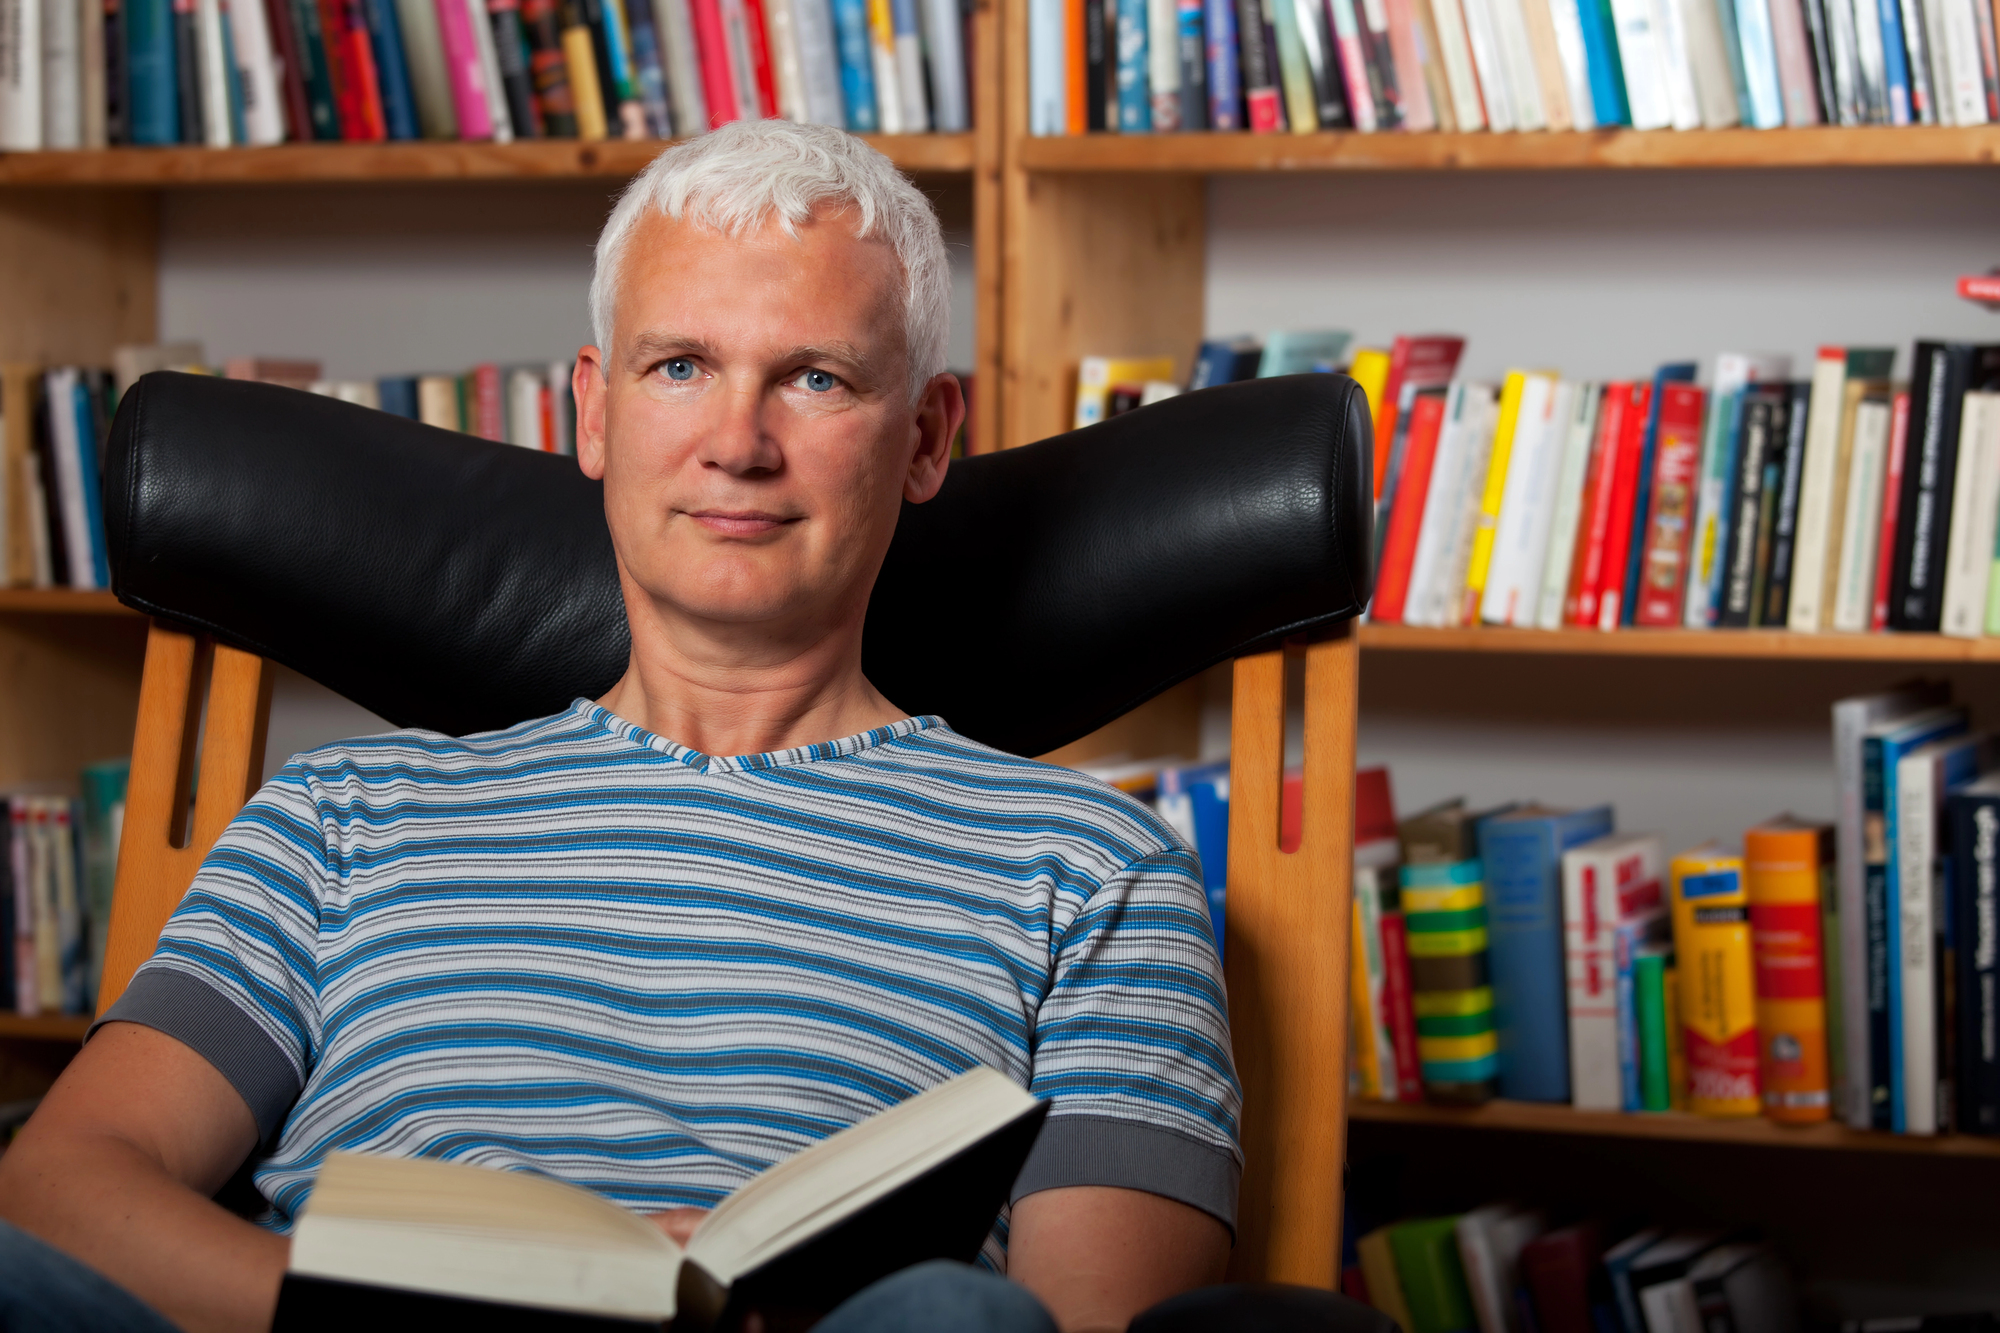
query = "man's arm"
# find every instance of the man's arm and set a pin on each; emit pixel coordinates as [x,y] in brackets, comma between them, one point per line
[117,1167]
[1096,1256]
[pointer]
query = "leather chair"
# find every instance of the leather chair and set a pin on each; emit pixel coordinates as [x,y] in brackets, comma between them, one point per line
[456,584]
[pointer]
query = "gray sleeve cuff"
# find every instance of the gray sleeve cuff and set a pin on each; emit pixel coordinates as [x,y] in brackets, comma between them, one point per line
[1102,1150]
[201,1018]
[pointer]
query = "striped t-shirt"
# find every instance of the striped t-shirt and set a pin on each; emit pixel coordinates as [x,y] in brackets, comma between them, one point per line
[576,947]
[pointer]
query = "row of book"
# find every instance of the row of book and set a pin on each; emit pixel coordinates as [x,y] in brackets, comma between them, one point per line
[56,874]
[531,406]
[1502,1268]
[1140,66]
[91,73]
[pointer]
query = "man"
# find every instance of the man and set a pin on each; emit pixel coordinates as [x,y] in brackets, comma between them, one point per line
[655,943]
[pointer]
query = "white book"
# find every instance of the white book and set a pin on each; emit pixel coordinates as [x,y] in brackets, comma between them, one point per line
[944,42]
[1455,53]
[784,53]
[1527,501]
[882,57]
[1640,55]
[1441,506]
[489,73]
[91,87]
[1824,404]
[1612,901]
[1575,62]
[1846,60]
[1974,499]
[562,410]
[819,62]
[1870,59]
[1581,430]
[212,61]
[1852,719]
[1490,63]
[675,26]
[1670,1307]
[1677,62]
[21,74]
[257,63]
[423,52]
[1861,528]
[62,75]
[1490,1241]
[1517,54]
[1163,63]
[1967,99]
[910,72]
[1733,370]
[1936,51]
[1048,107]
[1714,83]
[66,446]
[1447,589]
[524,409]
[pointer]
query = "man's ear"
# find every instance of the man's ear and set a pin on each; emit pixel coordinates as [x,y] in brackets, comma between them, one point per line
[586,383]
[940,412]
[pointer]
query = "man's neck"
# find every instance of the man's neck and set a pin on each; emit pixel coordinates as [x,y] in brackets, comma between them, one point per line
[722,692]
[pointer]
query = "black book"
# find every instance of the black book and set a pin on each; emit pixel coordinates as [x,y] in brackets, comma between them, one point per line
[1380,65]
[1322,65]
[51,496]
[1939,378]
[1096,86]
[1253,61]
[548,71]
[1972,830]
[1824,85]
[510,51]
[590,14]
[1785,509]
[1746,508]
[1193,52]
[389,1241]
[187,72]
[117,130]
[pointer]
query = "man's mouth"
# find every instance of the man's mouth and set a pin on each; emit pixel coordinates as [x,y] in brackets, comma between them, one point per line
[738,522]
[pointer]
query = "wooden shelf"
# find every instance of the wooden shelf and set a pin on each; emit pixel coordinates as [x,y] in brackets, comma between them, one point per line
[46,1027]
[61,601]
[1872,146]
[1768,644]
[1540,1118]
[335,163]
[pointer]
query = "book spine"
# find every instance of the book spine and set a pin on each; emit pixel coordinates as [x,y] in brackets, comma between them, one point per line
[1594,532]
[1937,384]
[335,39]
[510,53]
[1191,56]
[155,108]
[650,70]
[1875,909]
[1445,913]
[783,39]
[1711,525]
[1712,951]
[1260,86]
[1640,57]
[257,65]
[888,82]
[1353,57]
[1407,516]
[1969,547]
[1912,950]
[1805,613]
[742,19]
[819,63]
[1677,461]
[1766,108]
[188,84]
[1626,941]
[1407,50]
[1133,93]
[1892,490]
[1626,508]
[461,56]
[61,58]
[1643,496]
[580,67]
[396,100]
[1225,85]
[1046,112]
[1397,1002]
[1570,507]
[1384,87]
[944,40]
[548,69]
[911,91]
[1895,62]
[1655,1024]
[1975,902]
[857,63]
[674,24]
[1322,61]
[1493,493]
[1590,918]
[1523,860]
[1753,449]
[1774,604]
[1861,521]
[1468,107]
[27,989]
[1566,20]
[1819,43]
[1163,64]
[1789,874]
[1372,1062]
[1797,84]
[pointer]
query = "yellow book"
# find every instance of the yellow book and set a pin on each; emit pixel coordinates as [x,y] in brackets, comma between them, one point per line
[580,62]
[1717,989]
[1496,487]
[1096,375]
[1791,869]
[1370,369]
[1378,1270]
[1677,1061]
[1361,1055]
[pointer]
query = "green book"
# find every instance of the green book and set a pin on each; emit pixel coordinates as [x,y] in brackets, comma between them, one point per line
[1433,1279]
[1649,1002]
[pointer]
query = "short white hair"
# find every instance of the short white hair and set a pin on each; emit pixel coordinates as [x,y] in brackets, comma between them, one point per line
[736,179]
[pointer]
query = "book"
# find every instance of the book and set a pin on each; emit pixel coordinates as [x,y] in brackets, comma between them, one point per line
[1557,1268]
[1613,906]
[1097,374]
[1732,372]
[1712,949]
[1493,488]
[1625,504]
[1468,107]
[1781,498]
[1546,58]
[1596,509]
[1941,375]
[1451,473]
[1758,461]
[1371,1052]
[1490,1241]
[1433,1282]
[920,1180]
[1633,561]
[1296,353]
[1789,868]
[1522,852]
[1219,53]
[1892,488]
[1521,533]
[1833,367]
[1670,520]
[1484,39]
[1385,1285]
[857,67]
[1655,1021]
[1406,518]
[1517,57]
[1972,823]
[1163,64]
[1443,898]
[1711,64]
[1975,499]
[1579,445]
[1642,59]
[1861,527]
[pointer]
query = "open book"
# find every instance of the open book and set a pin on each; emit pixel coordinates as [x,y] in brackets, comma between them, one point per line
[405,1238]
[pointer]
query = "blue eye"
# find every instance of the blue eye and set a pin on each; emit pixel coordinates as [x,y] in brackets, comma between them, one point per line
[679,368]
[818,381]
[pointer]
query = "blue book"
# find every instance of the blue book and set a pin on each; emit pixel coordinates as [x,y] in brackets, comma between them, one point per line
[1882,747]
[1731,405]
[149,64]
[397,394]
[1726,11]
[1196,802]
[1225,361]
[1628,940]
[392,69]
[1225,82]
[1766,108]
[650,67]
[1524,927]
[857,72]
[1642,499]
[1600,54]
[1895,62]
[232,83]
[87,468]
[1135,94]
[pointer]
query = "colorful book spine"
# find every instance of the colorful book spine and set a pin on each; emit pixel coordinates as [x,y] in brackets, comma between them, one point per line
[1372,1055]
[392,69]
[1613,904]
[1400,1003]
[1135,96]
[1594,524]
[1406,517]
[463,68]
[1789,874]
[1444,909]
[1625,505]
[1973,825]
[149,35]
[1718,1021]
[1670,521]
[857,67]
[1657,1023]
[1642,501]
[1225,84]
[1258,65]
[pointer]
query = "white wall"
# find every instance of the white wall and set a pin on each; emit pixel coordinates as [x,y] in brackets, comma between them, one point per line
[1605,275]
[391,279]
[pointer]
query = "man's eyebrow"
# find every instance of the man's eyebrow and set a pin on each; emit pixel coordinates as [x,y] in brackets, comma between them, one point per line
[652,346]
[839,351]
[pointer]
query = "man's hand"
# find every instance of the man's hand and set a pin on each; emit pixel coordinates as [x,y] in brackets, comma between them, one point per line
[117,1167]
[1097,1256]
[678,1223]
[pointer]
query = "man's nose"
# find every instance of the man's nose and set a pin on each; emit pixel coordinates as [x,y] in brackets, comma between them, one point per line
[739,441]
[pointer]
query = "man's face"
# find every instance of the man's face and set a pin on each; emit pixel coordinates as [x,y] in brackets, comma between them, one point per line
[752,423]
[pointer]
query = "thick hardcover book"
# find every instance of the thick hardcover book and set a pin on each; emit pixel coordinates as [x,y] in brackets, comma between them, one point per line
[1524,897]
[1941,373]
[1773,601]
[392,69]
[1718,1017]
[1225,75]
[1670,522]
[1635,551]
[1613,904]
[1973,832]
[1790,877]
[395,1240]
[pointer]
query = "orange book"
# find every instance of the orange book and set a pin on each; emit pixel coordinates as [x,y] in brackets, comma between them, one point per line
[1790,864]
[1717,992]
[1075,95]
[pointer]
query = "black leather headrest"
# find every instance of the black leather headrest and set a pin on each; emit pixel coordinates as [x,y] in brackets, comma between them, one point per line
[447,582]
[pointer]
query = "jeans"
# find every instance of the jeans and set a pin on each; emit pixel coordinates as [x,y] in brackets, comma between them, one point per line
[43,1290]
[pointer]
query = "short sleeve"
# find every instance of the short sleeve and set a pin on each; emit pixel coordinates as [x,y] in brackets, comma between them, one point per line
[235,975]
[1132,1047]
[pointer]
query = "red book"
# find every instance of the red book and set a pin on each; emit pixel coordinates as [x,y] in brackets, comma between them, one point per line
[1398,1009]
[333,24]
[367,80]
[1426,361]
[760,57]
[1638,401]
[1556,1268]
[1676,465]
[713,47]
[298,117]
[1892,491]
[1265,115]
[545,409]
[1594,520]
[489,419]
[1406,515]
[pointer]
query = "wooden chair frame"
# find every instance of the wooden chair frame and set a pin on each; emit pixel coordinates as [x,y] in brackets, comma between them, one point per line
[1286,951]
